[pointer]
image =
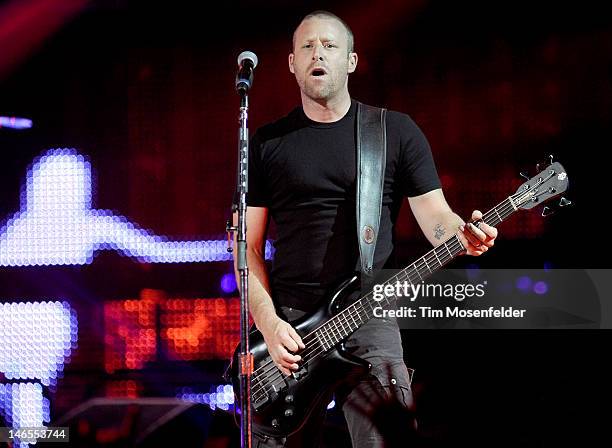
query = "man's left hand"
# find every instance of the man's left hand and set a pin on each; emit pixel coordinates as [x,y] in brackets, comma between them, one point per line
[477,240]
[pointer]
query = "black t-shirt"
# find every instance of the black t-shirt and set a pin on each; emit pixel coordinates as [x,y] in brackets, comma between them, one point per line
[304,172]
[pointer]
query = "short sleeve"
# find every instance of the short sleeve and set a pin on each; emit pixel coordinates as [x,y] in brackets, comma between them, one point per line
[257,195]
[416,173]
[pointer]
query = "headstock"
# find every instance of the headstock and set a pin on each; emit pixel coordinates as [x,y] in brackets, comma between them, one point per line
[550,182]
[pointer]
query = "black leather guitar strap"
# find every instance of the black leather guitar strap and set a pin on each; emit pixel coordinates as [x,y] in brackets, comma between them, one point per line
[371,161]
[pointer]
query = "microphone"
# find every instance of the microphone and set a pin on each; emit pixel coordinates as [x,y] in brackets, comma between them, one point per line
[247,61]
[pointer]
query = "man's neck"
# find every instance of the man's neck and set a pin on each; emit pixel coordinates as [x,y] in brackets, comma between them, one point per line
[326,111]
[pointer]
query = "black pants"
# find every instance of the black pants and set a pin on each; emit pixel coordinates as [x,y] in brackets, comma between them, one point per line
[378,342]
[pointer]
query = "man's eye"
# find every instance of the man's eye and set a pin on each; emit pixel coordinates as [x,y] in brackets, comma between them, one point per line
[331,45]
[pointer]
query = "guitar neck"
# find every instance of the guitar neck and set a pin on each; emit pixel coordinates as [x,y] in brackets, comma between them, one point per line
[358,313]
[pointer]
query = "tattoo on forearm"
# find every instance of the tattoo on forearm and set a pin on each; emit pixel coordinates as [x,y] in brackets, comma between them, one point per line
[439,231]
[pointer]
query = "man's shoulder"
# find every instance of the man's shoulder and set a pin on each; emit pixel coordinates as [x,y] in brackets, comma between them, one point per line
[402,128]
[278,128]
[398,119]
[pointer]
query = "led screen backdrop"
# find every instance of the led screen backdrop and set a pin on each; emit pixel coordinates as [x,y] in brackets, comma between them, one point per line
[118,129]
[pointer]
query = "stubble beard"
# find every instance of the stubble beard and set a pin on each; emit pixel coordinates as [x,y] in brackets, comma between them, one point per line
[325,90]
[319,92]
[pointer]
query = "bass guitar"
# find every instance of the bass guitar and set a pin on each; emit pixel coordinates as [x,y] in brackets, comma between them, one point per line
[281,404]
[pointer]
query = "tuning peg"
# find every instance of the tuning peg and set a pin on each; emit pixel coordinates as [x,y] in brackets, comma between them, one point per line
[564,202]
[540,166]
[522,174]
[547,211]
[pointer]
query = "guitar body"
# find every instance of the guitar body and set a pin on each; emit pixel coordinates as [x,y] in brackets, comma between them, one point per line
[287,401]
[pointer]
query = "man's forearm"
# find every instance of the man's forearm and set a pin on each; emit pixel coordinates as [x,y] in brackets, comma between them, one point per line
[261,306]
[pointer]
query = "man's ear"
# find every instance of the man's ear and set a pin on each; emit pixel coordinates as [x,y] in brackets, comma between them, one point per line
[291,69]
[352,62]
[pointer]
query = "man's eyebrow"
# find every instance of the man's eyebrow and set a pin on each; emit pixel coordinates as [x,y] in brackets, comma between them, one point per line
[323,39]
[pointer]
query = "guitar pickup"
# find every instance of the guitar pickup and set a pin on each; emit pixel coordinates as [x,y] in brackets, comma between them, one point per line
[271,394]
[259,403]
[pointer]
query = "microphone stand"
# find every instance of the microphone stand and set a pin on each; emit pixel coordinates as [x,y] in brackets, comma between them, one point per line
[245,367]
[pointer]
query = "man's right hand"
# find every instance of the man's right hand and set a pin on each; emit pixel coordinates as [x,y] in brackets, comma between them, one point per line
[282,341]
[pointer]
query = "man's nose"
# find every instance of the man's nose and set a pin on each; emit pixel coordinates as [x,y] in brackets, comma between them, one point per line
[317,54]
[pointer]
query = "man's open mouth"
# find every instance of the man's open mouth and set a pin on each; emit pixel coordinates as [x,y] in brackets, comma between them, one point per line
[318,72]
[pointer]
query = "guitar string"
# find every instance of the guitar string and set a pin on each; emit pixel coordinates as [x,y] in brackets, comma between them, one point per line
[312,352]
[505,207]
